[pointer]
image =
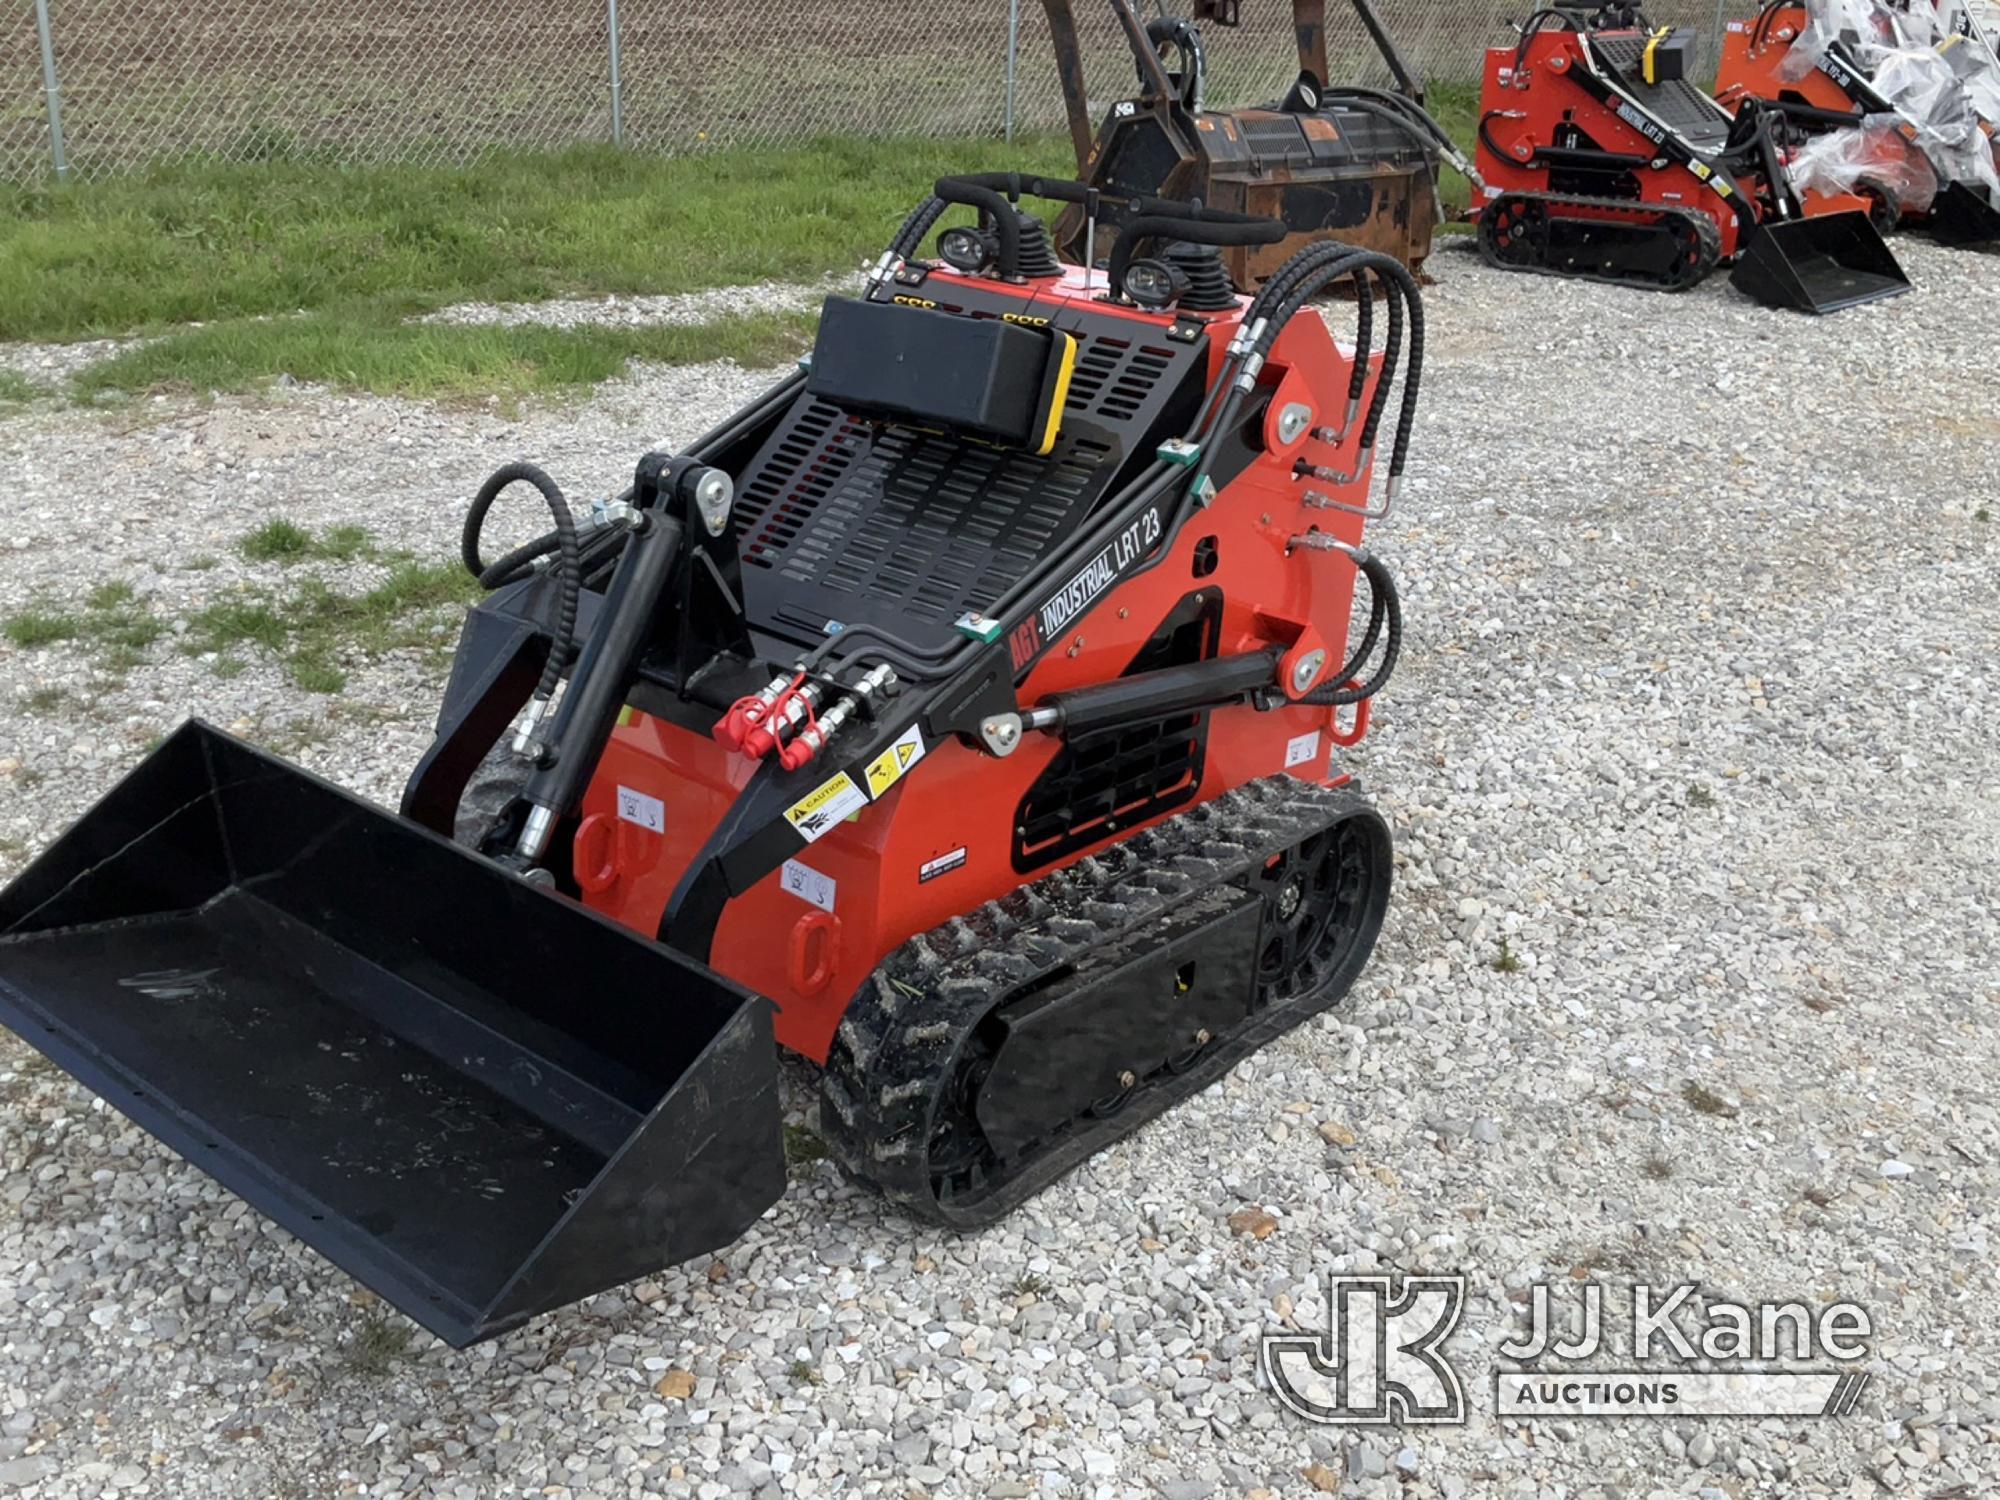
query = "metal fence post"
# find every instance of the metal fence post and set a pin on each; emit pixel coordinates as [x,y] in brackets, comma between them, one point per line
[54,94]
[617,83]
[1013,60]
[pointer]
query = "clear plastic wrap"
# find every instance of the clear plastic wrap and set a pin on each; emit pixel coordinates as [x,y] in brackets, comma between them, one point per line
[1928,93]
[1872,158]
[1933,62]
[1866,27]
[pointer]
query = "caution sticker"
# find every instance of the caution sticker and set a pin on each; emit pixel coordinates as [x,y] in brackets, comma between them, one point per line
[825,807]
[887,768]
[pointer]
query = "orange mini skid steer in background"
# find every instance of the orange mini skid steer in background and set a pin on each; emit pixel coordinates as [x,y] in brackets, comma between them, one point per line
[1603,160]
[967,710]
[1765,61]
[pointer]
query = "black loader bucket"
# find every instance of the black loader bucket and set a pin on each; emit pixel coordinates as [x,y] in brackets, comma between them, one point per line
[481,1100]
[1961,216]
[1818,265]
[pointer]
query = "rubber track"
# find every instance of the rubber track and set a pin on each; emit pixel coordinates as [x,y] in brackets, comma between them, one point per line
[902,1034]
[1706,233]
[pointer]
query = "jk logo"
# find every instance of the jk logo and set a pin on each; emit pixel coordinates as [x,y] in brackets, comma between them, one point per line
[1378,1360]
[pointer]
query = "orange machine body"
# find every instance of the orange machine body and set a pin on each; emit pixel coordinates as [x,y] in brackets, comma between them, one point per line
[1755,65]
[940,836]
[1540,97]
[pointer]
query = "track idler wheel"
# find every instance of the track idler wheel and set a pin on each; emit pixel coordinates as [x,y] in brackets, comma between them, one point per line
[1514,234]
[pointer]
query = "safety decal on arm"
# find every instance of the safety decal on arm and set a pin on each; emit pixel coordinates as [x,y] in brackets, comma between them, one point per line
[825,807]
[886,769]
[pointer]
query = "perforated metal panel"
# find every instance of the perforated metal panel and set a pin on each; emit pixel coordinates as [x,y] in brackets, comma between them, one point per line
[1678,104]
[846,518]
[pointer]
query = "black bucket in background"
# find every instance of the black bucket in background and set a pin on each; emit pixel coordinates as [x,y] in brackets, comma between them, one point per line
[1818,265]
[481,1100]
[1961,216]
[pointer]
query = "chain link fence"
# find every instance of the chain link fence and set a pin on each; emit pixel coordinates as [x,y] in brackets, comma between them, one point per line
[95,87]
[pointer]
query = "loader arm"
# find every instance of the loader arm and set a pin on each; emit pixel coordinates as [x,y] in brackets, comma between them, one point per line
[1069,73]
[1411,86]
[1309,26]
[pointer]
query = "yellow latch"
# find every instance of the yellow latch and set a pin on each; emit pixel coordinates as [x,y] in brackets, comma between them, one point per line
[1648,67]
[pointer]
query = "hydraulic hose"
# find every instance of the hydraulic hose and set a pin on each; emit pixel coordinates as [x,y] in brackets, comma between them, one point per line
[1385,617]
[922,219]
[1404,292]
[569,567]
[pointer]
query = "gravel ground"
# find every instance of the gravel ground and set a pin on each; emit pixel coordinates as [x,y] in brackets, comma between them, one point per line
[630,312]
[1690,976]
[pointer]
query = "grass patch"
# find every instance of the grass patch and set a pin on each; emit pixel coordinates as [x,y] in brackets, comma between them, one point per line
[1705,1101]
[376,1347]
[315,629]
[374,349]
[803,1372]
[236,622]
[802,1146]
[1456,108]
[283,541]
[1699,795]
[112,620]
[219,242]
[17,389]
[276,541]
[1507,961]
[44,700]
[1658,1168]
[39,627]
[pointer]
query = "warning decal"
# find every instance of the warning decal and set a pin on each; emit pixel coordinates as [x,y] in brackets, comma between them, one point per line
[821,810]
[944,864]
[887,768]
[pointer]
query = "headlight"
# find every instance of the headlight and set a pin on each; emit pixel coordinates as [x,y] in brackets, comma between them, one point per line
[1154,284]
[965,249]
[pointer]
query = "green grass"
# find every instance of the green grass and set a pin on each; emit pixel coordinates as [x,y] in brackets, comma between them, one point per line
[1456,107]
[112,621]
[315,629]
[39,627]
[372,349]
[216,244]
[802,1146]
[17,389]
[283,541]
[377,1346]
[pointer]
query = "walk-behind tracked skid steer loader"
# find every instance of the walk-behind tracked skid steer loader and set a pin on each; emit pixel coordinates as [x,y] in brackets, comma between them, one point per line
[1603,160]
[1349,163]
[968,709]
[1888,99]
